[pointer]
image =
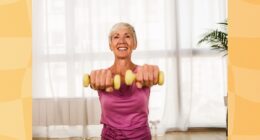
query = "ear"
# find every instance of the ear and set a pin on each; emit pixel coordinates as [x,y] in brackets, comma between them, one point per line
[135,47]
[110,47]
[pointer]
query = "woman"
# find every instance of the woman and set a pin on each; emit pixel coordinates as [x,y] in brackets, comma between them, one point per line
[124,111]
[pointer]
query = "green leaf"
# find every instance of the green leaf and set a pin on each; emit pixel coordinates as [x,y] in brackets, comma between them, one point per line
[217,39]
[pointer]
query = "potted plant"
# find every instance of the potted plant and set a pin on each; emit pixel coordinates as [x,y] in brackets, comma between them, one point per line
[217,39]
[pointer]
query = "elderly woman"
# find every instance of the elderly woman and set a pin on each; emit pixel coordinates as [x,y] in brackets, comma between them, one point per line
[124,111]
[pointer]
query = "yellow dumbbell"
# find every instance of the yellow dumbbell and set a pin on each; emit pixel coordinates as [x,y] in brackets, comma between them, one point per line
[130,77]
[116,81]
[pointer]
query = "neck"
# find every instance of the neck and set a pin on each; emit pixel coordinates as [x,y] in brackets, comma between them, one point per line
[120,66]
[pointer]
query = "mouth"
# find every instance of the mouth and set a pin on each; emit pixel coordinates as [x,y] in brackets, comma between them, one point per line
[122,48]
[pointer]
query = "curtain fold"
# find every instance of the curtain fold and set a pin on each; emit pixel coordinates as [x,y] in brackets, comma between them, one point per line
[70,38]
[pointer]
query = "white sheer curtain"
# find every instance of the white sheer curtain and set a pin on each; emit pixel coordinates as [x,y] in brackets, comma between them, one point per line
[70,38]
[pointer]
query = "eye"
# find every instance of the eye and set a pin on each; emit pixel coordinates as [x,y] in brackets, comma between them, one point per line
[115,37]
[128,36]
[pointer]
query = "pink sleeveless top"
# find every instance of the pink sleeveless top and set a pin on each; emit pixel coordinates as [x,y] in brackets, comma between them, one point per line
[126,108]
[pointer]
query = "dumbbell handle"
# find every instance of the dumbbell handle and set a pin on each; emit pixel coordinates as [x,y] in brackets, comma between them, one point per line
[116,81]
[130,77]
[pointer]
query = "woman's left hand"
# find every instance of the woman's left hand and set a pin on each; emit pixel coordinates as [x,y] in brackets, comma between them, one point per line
[147,75]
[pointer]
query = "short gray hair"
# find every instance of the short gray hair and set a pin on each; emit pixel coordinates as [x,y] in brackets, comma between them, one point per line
[122,24]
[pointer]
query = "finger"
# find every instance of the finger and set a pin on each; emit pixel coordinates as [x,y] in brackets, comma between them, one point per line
[97,79]
[93,79]
[139,85]
[155,75]
[108,82]
[145,75]
[109,89]
[102,79]
[150,75]
[139,76]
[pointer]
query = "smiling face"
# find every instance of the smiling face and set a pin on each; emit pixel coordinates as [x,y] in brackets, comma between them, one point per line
[122,41]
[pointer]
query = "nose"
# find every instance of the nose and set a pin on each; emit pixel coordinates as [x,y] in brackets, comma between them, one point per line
[121,40]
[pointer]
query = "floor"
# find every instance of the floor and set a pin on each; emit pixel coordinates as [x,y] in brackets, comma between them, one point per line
[208,134]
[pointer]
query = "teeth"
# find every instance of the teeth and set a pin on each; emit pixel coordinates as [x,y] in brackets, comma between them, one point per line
[122,48]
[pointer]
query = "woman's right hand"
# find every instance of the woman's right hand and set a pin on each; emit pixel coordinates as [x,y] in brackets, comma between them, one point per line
[101,80]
